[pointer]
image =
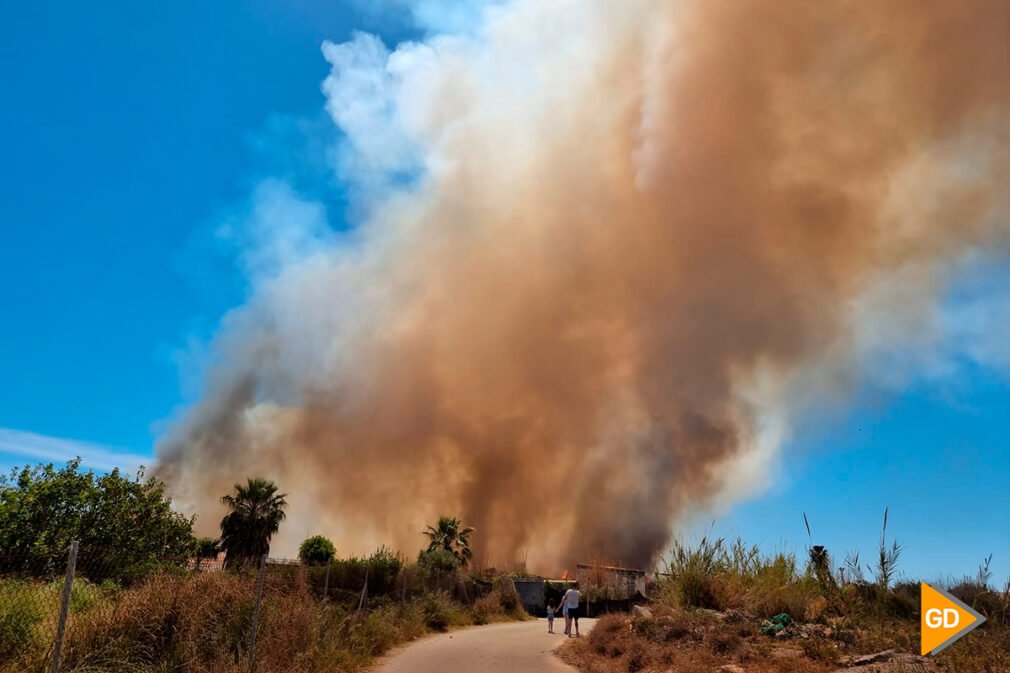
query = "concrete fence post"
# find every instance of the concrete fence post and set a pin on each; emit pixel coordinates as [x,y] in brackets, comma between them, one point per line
[61,626]
[256,614]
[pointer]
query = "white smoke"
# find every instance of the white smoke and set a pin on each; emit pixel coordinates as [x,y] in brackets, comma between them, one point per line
[606,252]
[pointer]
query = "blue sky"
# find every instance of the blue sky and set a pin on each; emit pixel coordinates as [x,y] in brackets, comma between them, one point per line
[131,129]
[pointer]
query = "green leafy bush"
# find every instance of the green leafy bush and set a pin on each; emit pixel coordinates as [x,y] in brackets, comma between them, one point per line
[384,567]
[120,522]
[316,549]
[441,612]
[438,560]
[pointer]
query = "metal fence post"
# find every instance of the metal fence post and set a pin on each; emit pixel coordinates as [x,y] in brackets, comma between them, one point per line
[68,585]
[256,614]
[364,592]
[322,604]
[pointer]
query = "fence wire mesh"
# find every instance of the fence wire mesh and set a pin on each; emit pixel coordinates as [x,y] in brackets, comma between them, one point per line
[30,599]
[277,615]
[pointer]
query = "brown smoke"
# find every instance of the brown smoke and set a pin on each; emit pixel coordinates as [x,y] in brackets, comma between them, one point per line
[642,228]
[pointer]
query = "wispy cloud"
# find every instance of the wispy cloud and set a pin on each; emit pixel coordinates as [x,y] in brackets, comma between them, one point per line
[37,447]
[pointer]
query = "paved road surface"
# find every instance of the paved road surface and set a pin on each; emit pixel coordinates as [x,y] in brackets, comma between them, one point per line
[517,647]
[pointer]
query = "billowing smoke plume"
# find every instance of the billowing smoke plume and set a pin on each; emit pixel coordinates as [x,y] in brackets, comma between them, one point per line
[604,250]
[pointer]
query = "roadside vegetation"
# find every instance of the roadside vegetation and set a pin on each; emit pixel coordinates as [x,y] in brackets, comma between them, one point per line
[128,522]
[727,607]
[148,595]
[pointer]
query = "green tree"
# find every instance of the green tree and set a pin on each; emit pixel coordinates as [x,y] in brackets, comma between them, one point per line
[124,524]
[450,535]
[257,510]
[316,549]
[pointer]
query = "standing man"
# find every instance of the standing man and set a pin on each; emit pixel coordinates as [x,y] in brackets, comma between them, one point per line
[570,606]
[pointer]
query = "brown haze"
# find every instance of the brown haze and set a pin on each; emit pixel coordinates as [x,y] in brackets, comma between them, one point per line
[645,230]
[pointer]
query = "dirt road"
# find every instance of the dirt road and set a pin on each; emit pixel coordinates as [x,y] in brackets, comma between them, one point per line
[517,647]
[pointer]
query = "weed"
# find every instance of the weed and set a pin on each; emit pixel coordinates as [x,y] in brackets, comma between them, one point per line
[200,623]
[21,615]
[441,612]
[853,616]
[887,558]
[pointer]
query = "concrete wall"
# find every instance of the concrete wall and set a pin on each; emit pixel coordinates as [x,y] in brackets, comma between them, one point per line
[531,595]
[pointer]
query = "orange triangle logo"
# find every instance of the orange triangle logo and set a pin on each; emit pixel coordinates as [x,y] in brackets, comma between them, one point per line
[944,619]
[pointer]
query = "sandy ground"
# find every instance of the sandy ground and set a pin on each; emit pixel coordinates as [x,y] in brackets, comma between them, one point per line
[516,647]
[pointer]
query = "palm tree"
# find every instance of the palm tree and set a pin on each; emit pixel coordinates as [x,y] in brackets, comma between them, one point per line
[450,534]
[256,513]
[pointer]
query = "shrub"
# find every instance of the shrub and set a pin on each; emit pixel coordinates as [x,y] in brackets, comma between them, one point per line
[347,574]
[508,598]
[665,629]
[992,604]
[316,549]
[487,609]
[379,631]
[205,548]
[696,589]
[723,641]
[903,600]
[637,661]
[709,557]
[438,561]
[501,603]
[822,650]
[609,636]
[384,567]
[441,612]
[769,599]
[717,576]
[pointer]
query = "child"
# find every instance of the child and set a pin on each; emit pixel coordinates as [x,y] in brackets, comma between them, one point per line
[550,619]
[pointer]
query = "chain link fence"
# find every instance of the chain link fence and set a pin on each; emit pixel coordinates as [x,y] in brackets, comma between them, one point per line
[47,601]
[30,598]
[80,611]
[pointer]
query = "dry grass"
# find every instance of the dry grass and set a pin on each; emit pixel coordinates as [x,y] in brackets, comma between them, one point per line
[501,605]
[712,600]
[986,650]
[699,642]
[703,641]
[200,623]
[685,643]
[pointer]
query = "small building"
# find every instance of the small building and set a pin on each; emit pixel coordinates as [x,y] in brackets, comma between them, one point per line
[611,582]
[604,588]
